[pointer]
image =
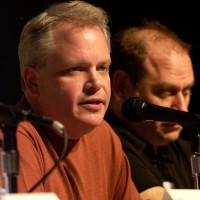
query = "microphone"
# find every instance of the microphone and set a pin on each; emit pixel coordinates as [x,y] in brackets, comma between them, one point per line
[13,115]
[137,109]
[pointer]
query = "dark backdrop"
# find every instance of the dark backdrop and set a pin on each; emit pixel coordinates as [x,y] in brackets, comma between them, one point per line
[181,16]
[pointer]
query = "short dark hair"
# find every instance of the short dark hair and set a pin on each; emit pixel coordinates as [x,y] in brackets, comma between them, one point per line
[129,46]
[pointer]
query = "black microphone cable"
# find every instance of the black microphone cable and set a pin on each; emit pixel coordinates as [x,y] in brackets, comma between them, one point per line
[60,128]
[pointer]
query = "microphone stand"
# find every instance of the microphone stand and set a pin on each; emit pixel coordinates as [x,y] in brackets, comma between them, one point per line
[195,159]
[10,163]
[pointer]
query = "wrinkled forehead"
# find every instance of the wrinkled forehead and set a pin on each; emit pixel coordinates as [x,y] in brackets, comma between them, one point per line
[168,64]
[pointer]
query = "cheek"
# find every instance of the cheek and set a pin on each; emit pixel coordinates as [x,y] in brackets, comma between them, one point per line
[56,90]
[50,89]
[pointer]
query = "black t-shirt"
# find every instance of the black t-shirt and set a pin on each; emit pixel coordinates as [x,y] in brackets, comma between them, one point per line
[170,164]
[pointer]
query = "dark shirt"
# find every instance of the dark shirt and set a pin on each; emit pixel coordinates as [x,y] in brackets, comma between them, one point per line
[171,163]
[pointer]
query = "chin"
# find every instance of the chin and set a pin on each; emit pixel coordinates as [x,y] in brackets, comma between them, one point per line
[92,120]
[172,136]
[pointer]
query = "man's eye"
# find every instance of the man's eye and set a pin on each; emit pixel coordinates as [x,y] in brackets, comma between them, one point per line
[164,94]
[103,68]
[187,94]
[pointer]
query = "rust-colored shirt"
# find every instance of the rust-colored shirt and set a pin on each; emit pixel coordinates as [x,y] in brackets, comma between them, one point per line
[95,167]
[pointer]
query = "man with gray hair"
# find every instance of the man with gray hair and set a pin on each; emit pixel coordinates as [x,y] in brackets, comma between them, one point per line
[64,55]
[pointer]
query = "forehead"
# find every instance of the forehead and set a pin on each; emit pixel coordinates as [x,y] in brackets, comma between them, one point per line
[169,66]
[79,45]
[67,32]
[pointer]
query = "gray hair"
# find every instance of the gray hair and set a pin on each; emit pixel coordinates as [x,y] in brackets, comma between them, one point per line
[37,42]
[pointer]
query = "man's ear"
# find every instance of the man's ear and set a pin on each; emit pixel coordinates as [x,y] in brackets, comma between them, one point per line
[121,85]
[29,75]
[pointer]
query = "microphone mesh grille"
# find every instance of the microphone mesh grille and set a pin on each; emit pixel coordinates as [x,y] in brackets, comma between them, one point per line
[131,109]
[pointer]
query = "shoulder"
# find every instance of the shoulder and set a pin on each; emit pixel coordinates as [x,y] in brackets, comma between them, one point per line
[28,134]
[26,128]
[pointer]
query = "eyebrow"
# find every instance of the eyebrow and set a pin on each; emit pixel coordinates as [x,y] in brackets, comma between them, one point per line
[168,85]
[106,62]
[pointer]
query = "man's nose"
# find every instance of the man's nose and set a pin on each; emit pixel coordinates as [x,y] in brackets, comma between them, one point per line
[93,82]
[180,102]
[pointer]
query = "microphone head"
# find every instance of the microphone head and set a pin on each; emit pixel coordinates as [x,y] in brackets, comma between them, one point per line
[132,108]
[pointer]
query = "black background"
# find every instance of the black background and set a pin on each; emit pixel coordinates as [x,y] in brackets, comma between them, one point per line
[183,17]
